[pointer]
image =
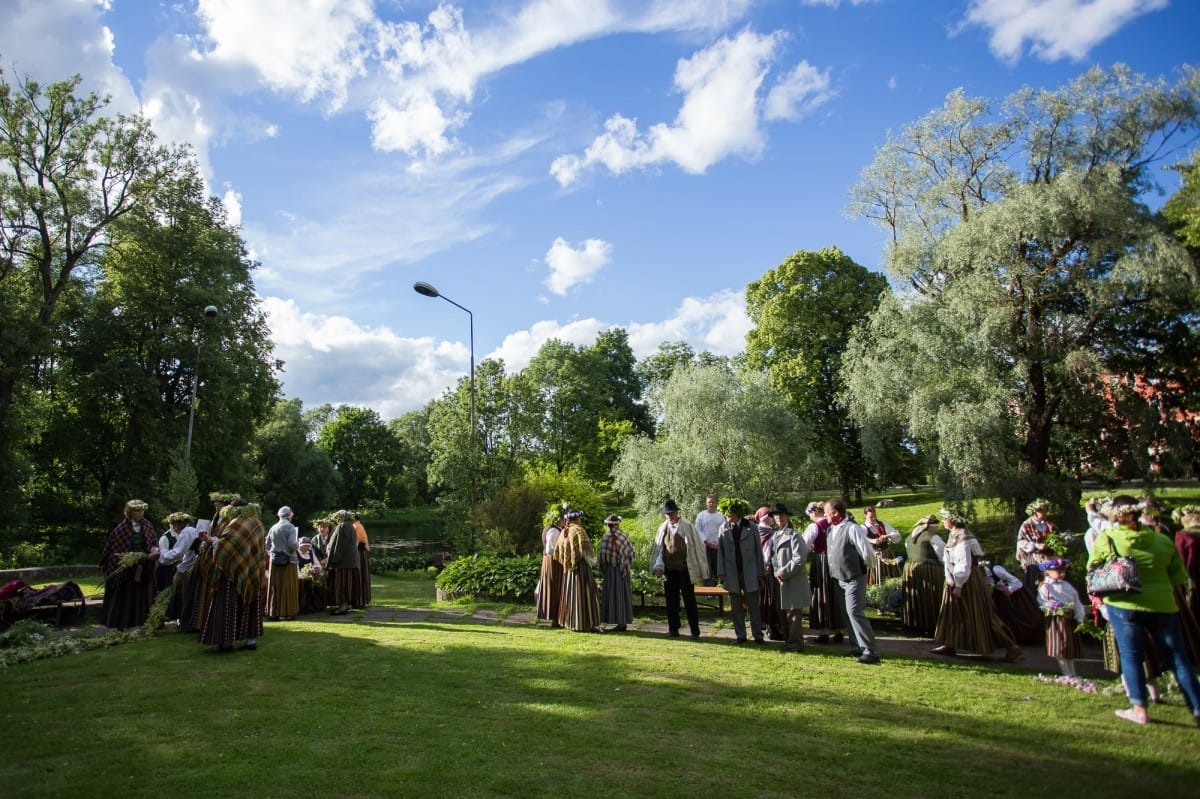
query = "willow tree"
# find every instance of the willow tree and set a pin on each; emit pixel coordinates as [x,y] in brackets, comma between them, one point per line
[1039,275]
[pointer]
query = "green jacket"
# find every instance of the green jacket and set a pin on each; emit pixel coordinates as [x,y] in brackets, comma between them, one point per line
[1158,562]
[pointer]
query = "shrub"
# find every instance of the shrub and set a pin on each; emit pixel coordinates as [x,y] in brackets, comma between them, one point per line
[885,597]
[410,562]
[492,577]
[510,523]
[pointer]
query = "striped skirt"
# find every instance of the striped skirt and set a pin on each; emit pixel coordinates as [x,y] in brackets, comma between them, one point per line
[283,591]
[1062,642]
[229,618]
[580,609]
[922,596]
[343,586]
[549,597]
[616,596]
[828,611]
[965,622]
[886,567]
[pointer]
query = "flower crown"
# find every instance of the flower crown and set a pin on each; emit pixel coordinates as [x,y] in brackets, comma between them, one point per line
[179,516]
[1111,511]
[1187,510]
[248,511]
[956,517]
[1037,505]
[733,506]
[223,496]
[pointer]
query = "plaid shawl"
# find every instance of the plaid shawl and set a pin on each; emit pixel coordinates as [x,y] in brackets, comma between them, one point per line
[239,555]
[121,540]
[616,549]
[573,546]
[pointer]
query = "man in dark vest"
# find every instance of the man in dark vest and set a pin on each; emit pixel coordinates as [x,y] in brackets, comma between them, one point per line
[850,558]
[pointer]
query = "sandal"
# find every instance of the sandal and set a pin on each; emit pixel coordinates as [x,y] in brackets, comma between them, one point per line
[1132,714]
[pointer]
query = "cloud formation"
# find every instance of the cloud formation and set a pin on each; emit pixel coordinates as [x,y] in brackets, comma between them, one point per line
[1052,29]
[569,267]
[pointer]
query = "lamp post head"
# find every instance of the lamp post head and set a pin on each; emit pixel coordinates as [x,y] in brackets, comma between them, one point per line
[211,312]
[421,287]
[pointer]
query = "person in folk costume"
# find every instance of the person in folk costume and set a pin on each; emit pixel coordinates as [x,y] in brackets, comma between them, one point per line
[1187,541]
[312,587]
[341,566]
[881,535]
[549,590]
[789,566]
[164,572]
[322,529]
[678,556]
[1063,610]
[283,583]
[924,576]
[768,597]
[579,608]
[827,616]
[202,583]
[966,621]
[235,611]
[1031,540]
[1015,604]
[364,562]
[740,567]
[176,553]
[129,590]
[616,559]
[850,559]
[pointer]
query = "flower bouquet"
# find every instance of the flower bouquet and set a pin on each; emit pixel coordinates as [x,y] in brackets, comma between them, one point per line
[313,574]
[1059,542]
[1054,608]
[126,561]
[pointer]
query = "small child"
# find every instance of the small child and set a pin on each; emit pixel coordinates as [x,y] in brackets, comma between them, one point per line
[1060,602]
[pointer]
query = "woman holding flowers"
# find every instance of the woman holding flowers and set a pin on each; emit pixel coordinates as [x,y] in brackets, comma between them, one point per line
[127,561]
[580,606]
[235,612]
[1031,540]
[1150,611]
[1063,610]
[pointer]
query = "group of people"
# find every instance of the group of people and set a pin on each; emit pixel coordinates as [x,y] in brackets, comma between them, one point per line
[229,573]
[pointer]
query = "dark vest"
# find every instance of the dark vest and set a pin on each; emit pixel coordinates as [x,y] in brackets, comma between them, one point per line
[919,548]
[845,563]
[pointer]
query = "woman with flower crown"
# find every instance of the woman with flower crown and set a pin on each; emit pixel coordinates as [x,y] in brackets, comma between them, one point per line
[1031,540]
[235,612]
[580,607]
[128,563]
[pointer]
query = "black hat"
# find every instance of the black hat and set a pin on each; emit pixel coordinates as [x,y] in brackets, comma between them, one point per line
[780,508]
[669,506]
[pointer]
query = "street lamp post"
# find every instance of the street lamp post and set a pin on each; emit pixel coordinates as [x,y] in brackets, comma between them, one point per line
[210,312]
[427,290]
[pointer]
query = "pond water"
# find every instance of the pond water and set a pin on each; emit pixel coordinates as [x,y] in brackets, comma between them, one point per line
[399,539]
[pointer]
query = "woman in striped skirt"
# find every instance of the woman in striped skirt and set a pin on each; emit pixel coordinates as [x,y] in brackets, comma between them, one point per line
[924,577]
[580,606]
[1063,609]
[616,558]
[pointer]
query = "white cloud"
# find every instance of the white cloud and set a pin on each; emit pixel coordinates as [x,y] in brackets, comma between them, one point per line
[1053,29]
[797,93]
[835,3]
[718,117]
[233,205]
[570,267]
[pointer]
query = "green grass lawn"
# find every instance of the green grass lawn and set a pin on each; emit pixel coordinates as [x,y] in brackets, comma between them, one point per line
[444,707]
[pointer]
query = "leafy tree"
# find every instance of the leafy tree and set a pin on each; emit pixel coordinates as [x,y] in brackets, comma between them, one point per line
[68,174]
[367,456]
[412,430]
[720,431]
[290,469]
[1038,272]
[804,311]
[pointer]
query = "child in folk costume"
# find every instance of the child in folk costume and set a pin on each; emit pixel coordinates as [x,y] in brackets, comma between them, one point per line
[1060,602]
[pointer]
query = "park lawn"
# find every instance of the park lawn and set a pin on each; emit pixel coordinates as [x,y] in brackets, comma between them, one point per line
[440,705]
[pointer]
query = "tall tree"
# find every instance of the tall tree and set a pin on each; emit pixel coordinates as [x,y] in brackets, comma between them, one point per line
[1037,267]
[367,456]
[804,311]
[68,173]
[290,469]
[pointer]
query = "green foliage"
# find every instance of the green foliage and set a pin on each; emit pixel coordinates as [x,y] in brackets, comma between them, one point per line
[886,596]
[510,523]
[570,487]
[180,490]
[366,454]
[408,562]
[289,468]
[492,577]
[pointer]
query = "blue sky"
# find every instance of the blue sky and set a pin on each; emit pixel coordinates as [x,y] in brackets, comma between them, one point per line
[557,166]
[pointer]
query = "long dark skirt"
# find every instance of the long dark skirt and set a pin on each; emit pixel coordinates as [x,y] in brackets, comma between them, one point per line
[1190,623]
[202,592]
[580,610]
[343,585]
[363,586]
[128,597]
[616,597]
[1062,641]
[768,607]
[163,576]
[1020,612]
[922,596]
[549,598]
[828,611]
[230,618]
[965,622]
[312,596]
[887,566]
[283,591]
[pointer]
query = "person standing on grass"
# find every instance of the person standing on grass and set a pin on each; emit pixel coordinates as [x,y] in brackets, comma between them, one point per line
[768,597]
[283,584]
[966,621]
[341,565]
[789,565]
[364,563]
[616,559]
[828,612]
[740,567]
[677,555]
[851,556]
[1031,540]
[923,576]
[129,590]
[708,524]
[235,612]
[549,590]
[881,535]
[182,555]
[580,607]
[1063,610]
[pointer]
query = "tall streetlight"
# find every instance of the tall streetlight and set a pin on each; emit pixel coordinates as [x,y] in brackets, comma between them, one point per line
[427,290]
[210,312]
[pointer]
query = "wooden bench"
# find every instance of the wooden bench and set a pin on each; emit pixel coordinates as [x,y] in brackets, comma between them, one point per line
[703,592]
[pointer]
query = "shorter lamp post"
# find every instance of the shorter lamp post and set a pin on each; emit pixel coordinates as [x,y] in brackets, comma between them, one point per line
[210,312]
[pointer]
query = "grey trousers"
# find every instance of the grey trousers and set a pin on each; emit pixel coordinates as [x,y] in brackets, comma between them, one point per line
[861,635]
[739,618]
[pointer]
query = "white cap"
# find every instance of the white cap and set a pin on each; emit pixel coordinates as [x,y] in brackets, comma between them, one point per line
[284,513]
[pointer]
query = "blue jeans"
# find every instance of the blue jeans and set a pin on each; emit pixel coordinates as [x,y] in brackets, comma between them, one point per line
[1130,628]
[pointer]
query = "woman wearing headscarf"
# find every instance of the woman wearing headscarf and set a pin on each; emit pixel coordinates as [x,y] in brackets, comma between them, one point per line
[924,576]
[580,607]
[283,584]
[129,586]
[616,559]
[311,579]
[1150,611]
[235,612]
[342,564]
[549,591]
[966,622]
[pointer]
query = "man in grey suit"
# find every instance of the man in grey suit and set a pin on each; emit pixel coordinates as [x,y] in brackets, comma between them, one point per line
[851,556]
